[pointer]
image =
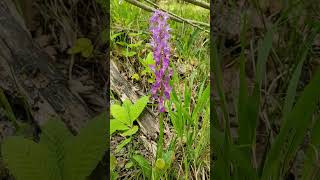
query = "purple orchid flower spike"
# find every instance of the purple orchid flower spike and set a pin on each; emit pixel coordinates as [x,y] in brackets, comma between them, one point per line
[161,53]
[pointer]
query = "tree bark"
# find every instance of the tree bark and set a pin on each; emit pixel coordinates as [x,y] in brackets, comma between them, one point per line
[25,69]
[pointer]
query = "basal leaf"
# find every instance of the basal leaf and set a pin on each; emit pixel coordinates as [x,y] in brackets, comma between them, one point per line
[84,151]
[116,125]
[137,108]
[130,132]
[54,136]
[120,113]
[28,160]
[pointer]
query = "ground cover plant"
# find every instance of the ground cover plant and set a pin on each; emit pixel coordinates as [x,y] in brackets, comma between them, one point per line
[166,62]
[266,90]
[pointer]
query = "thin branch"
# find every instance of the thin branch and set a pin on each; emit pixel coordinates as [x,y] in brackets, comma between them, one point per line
[172,16]
[199,3]
[189,21]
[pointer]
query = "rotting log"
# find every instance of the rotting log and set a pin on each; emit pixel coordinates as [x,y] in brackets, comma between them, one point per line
[27,70]
[147,121]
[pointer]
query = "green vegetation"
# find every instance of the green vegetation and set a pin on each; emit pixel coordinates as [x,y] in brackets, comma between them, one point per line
[186,151]
[278,108]
[59,154]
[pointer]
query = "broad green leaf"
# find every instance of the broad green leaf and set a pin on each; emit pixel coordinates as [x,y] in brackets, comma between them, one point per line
[292,133]
[54,136]
[149,59]
[120,113]
[130,132]
[137,108]
[122,144]
[84,151]
[28,160]
[116,125]
[144,165]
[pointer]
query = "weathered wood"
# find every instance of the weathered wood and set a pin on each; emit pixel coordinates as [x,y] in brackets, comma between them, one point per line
[148,122]
[27,70]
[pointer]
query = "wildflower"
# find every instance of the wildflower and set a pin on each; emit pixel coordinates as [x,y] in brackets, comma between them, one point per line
[161,54]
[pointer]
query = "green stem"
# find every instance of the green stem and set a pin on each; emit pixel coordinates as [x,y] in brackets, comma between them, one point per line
[160,141]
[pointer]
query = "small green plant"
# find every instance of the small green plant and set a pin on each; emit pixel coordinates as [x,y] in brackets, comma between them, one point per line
[124,116]
[83,46]
[58,155]
[147,70]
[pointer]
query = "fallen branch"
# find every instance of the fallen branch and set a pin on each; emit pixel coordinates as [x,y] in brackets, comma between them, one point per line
[191,22]
[199,3]
[172,16]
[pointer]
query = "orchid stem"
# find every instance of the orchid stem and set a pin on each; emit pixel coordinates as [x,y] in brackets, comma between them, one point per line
[160,141]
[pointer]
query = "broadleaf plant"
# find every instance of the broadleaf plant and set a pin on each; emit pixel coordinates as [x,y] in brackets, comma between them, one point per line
[124,116]
[59,155]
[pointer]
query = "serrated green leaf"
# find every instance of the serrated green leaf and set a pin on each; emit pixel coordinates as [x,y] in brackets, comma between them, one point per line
[84,151]
[120,113]
[122,144]
[137,108]
[131,131]
[28,160]
[116,125]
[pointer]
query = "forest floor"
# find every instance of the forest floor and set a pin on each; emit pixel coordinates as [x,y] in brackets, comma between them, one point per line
[76,44]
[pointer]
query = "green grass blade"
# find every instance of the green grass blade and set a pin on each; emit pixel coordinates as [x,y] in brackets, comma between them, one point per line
[310,163]
[293,130]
